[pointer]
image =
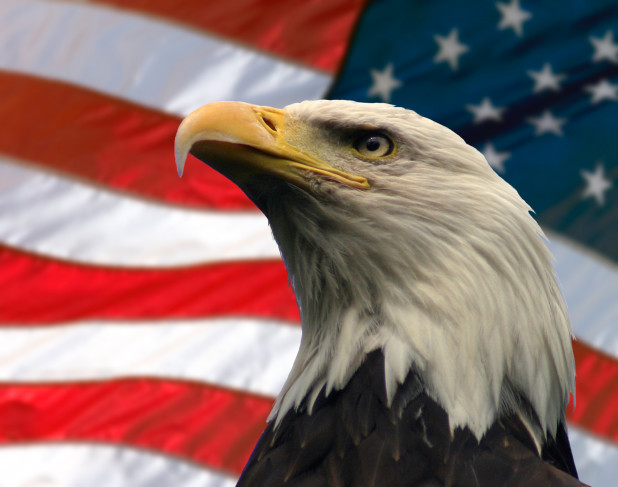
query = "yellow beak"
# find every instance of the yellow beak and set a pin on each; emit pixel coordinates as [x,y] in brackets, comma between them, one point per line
[241,140]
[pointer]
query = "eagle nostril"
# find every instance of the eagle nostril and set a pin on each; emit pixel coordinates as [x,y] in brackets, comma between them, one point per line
[269,123]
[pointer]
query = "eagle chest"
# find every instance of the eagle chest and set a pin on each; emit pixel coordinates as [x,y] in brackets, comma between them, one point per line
[352,438]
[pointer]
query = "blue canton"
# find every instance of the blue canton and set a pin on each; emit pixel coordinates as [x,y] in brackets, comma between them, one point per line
[532,85]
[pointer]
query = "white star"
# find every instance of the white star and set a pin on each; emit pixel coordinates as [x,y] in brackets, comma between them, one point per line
[596,183]
[605,49]
[485,111]
[383,83]
[512,16]
[546,79]
[450,49]
[603,90]
[547,123]
[496,159]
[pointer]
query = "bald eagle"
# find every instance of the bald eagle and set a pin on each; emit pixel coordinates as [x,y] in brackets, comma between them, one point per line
[436,346]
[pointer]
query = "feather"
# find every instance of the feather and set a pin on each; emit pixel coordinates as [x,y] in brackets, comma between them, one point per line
[416,449]
[436,347]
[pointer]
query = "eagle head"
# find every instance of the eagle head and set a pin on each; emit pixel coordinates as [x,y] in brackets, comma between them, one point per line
[398,236]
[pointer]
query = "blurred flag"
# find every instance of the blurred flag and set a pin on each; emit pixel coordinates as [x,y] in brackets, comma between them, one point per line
[145,322]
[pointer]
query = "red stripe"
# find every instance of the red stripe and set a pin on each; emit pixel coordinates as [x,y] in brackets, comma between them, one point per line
[315,33]
[38,290]
[203,423]
[107,141]
[207,424]
[597,392]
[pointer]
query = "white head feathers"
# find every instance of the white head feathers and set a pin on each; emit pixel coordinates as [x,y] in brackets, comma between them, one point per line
[439,264]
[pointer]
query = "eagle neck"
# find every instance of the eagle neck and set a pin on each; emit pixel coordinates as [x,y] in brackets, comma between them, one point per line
[480,341]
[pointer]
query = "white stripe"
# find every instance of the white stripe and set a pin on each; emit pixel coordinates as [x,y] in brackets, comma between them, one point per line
[87,465]
[590,287]
[91,465]
[57,217]
[247,354]
[143,59]
[596,460]
[50,215]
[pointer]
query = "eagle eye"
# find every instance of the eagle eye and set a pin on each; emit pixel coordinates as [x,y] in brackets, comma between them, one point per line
[374,145]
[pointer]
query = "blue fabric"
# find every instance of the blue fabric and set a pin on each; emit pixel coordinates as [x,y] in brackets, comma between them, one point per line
[546,169]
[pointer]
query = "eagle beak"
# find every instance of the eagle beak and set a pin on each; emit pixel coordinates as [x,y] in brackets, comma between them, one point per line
[241,140]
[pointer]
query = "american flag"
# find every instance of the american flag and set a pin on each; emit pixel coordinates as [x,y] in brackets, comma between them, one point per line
[146,321]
